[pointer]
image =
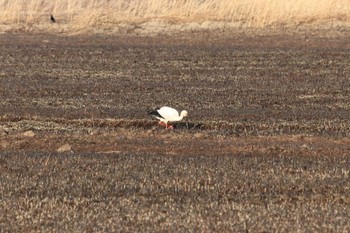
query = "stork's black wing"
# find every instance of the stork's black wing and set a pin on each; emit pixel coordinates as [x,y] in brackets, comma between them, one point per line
[155,113]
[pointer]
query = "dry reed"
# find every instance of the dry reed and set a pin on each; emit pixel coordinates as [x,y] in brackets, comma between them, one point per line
[250,13]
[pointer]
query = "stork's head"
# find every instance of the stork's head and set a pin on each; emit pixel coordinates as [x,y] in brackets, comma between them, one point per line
[184,113]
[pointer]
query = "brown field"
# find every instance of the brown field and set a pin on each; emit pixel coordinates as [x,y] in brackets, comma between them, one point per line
[265,147]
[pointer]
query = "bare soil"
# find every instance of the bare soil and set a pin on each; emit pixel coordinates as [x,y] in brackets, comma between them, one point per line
[265,147]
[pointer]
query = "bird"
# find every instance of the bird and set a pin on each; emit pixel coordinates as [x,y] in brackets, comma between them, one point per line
[53,19]
[167,114]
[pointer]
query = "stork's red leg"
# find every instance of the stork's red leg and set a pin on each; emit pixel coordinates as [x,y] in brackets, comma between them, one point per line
[169,126]
[166,125]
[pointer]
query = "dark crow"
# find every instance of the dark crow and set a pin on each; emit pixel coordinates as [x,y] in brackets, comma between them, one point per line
[53,19]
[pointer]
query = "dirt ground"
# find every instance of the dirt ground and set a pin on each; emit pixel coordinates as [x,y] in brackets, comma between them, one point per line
[265,147]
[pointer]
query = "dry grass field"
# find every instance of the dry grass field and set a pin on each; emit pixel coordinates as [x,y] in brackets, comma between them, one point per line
[265,147]
[153,16]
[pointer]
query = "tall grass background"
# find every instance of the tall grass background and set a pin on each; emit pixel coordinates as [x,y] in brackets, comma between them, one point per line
[250,13]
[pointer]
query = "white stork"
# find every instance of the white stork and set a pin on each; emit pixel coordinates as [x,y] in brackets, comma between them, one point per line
[167,114]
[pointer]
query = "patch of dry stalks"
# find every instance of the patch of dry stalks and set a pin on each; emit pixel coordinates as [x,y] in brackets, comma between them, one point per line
[136,192]
[180,14]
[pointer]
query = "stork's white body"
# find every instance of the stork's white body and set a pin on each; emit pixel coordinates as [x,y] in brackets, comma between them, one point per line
[167,114]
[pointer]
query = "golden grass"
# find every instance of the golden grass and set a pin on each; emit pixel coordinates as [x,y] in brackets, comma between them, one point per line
[250,13]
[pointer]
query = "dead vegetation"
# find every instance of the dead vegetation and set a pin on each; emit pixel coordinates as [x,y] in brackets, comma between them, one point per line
[150,17]
[158,192]
[265,147]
